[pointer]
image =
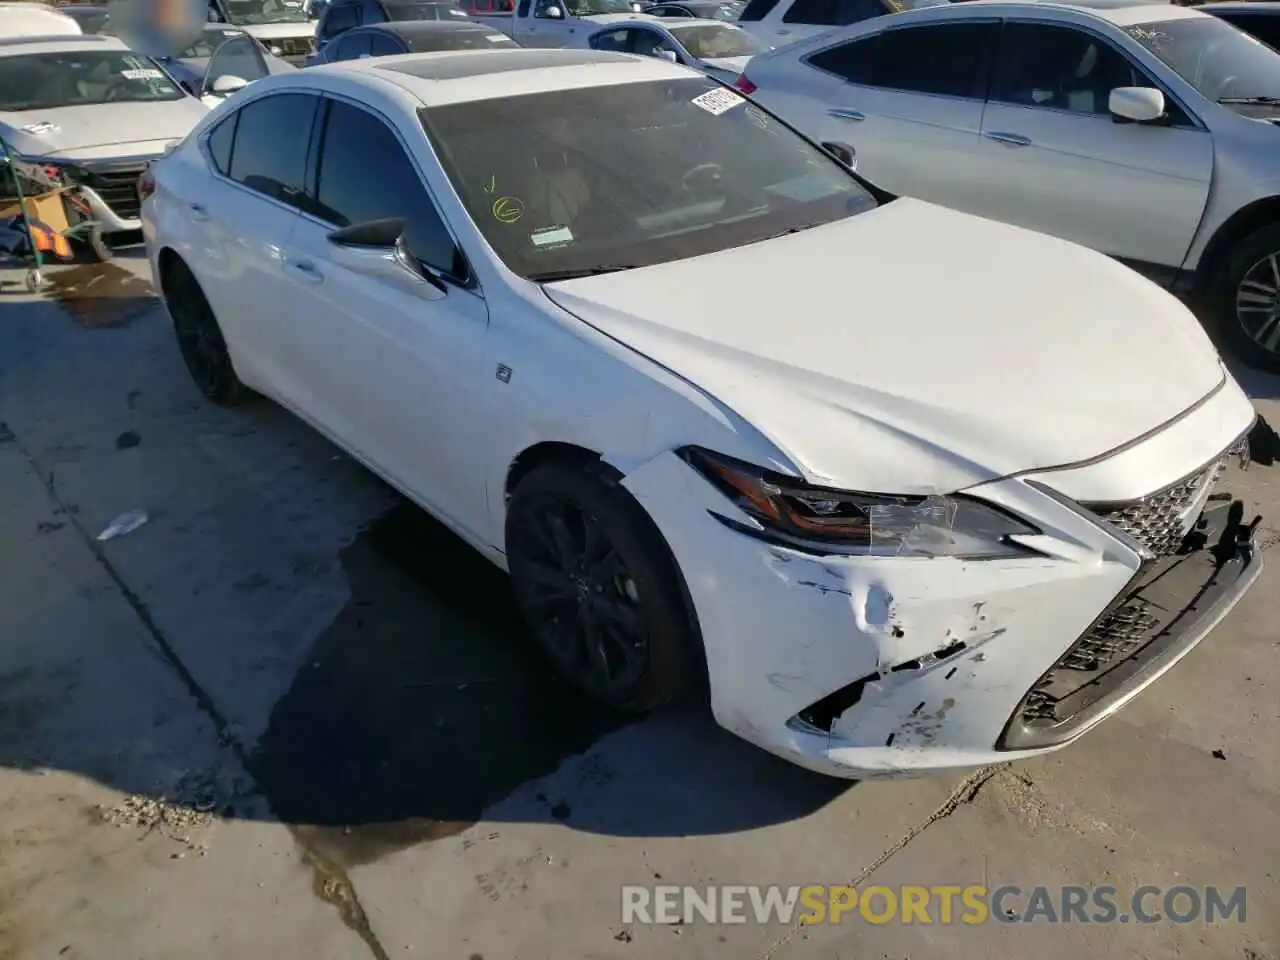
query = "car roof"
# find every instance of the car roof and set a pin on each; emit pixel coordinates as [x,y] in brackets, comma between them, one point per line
[58,43]
[1122,13]
[411,29]
[460,76]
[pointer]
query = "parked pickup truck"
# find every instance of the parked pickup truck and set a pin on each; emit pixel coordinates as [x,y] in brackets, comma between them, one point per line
[555,23]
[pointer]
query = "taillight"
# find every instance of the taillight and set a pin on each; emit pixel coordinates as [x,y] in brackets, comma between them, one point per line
[146,184]
[744,85]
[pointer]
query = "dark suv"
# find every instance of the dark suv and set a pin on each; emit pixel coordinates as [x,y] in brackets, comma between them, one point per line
[341,15]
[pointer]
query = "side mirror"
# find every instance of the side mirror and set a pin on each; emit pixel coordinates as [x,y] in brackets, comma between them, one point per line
[842,152]
[228,84]
[668,55]
[375,248]
[555,13]
[1136,105]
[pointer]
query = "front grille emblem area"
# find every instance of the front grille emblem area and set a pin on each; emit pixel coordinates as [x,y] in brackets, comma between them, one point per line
[1159,522]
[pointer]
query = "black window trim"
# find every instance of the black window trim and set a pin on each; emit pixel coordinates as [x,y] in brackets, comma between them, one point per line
[226,178]
[998,22]
[1101,37]
[471,284]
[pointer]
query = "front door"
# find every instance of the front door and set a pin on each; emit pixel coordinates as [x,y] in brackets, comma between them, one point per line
[909,100]
[1058,162]
[395,361]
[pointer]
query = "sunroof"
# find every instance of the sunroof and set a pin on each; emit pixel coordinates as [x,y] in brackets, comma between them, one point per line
[481,63]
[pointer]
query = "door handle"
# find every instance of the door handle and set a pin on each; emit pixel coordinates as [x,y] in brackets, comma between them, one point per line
[841,113]
[305,269]
[198,212]
[1009,139]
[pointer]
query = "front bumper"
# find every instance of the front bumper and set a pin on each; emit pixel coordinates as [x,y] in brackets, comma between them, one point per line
[890,667]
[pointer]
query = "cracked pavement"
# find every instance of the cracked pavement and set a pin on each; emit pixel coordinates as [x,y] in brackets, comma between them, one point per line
[291,716]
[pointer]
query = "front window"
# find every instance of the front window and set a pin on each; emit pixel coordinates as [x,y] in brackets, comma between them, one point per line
[46,81]
[1217,59]
[591,8]
[583,181]
[208,43]
[424,11]
[707,41]
[252,12]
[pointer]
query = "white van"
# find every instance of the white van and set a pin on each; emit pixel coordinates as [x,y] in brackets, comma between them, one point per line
[35,20]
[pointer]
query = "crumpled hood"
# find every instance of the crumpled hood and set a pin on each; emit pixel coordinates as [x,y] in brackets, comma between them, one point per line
[279,31]
[101,130]
[605,18]
[733,65]
[915,349]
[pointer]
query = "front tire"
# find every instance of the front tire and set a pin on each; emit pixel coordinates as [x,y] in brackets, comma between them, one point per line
[599,589]
[200,338]
[1245,299]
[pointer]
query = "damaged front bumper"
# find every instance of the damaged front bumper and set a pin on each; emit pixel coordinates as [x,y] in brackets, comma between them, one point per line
[889,667]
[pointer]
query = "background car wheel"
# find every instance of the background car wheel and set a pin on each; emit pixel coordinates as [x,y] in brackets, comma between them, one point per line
[599,588]
[200,338]
[1246,299]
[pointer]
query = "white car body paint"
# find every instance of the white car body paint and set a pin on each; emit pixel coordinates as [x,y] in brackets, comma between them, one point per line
[35,20]
[1154,196]
[799,354]
[566,31]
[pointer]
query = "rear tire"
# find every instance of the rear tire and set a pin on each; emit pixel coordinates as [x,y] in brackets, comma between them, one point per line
[200,338]
[1244,299]
[599,589]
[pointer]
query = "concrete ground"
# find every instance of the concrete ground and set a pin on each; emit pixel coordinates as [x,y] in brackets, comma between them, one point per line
[291,717]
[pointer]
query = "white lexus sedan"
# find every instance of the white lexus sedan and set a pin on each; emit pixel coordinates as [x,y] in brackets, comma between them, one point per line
[892,477]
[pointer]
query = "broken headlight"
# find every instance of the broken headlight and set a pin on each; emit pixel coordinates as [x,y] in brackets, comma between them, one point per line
[841,521]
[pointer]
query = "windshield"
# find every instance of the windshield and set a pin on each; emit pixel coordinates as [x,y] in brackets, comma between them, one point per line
[707,41]
[253,12]
[460,40]
[632,174]
[208,42]
[46,81]
[1213,56]
[590,8]
[425,11]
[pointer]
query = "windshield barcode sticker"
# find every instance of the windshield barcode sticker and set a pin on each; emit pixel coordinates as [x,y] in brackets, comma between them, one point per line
[549,236]
[141,74]
[717,101]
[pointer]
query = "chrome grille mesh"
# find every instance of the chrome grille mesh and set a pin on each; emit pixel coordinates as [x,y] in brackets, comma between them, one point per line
[1159,522]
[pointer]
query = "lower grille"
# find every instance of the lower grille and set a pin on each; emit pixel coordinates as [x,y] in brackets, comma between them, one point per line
[1159,522]
[117,185]
[1167,609]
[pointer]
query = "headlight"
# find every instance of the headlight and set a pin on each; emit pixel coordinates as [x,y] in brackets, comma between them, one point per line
[841,521]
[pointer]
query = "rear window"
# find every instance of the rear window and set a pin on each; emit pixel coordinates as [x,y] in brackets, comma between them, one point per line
[399,12]
[580,181]
[459,40]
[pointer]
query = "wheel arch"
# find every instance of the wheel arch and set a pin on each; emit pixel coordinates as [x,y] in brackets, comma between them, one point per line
[1239,225]
[557,451]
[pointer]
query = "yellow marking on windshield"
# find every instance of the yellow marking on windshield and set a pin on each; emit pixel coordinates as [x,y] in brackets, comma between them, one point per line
[508,209]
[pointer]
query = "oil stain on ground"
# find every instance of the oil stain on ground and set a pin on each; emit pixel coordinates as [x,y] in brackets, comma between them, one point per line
[424,702]
[100,294]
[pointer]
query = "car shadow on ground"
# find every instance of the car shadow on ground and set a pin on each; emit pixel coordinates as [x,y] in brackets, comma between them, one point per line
[425,707]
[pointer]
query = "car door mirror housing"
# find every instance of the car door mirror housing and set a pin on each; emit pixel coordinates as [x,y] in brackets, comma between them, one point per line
[1137,105]
[555,13]
[668,55]
[228,84]
[842,152]
[376,248]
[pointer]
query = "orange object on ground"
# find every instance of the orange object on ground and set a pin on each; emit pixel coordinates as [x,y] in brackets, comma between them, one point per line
[48,240]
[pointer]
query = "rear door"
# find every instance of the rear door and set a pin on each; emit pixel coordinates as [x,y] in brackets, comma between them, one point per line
[910,100]
[1057,161]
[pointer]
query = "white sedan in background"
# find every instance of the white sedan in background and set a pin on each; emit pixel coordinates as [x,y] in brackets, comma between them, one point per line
[1143,130]
[720,50]
[87,110]
[675,369]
